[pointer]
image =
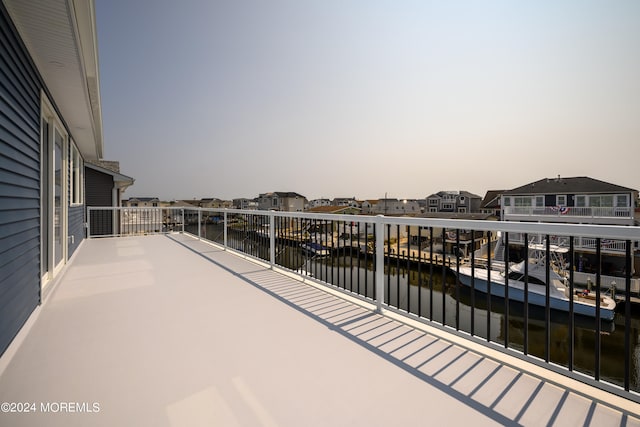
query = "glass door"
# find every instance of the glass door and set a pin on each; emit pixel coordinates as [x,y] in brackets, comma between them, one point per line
[45,226]
[58,209]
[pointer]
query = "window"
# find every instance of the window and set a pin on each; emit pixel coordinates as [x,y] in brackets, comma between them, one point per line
[274,202]
[621,201]
[539,201]
[433,202]
[522,201]
[433,209]
[75,183]
[561,200]
[462,210]
[601,201]
[581,201]
[447,206]
[507,201]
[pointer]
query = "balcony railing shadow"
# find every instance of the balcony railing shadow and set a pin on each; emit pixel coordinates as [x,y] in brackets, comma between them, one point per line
[489,385]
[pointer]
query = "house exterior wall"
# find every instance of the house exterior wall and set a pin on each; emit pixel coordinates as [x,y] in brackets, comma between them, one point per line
[99,192]
[76,227]
[20,88]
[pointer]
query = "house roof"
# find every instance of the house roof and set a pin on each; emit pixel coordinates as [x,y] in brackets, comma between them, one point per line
[492,199]
[466,194]
[573,185]
[144,199]
[61,37]
[289,194]
[123,181]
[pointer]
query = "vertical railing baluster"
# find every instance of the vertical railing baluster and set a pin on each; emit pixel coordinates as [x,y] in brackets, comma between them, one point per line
[359,255]
[506,289]
[597,349]
[388,287]
[419,271]
[457,255]
[444,277]
[272,239]
[627,316]
[225,225]
[351,256]
[526,293]
[431,274]
[379,275]
[398,266]
[571,305]
[408,269]
[547,301]
[488,286]
[473,283]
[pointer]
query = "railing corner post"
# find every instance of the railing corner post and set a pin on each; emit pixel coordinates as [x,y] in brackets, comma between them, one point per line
[379,245]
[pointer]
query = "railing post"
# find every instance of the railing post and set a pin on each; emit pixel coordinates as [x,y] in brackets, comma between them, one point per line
[199,222]
[225,230]
[272,239]
[379,245]
[183,220]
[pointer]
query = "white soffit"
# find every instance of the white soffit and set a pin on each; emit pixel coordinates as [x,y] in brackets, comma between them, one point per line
[61,37]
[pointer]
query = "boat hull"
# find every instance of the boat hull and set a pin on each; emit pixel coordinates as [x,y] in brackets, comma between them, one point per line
[536,295]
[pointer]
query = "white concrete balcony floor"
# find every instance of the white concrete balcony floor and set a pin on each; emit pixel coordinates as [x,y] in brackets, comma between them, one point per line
[171,331]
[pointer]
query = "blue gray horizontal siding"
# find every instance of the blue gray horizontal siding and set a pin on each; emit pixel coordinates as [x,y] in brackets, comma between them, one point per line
[76,227]
[19,183]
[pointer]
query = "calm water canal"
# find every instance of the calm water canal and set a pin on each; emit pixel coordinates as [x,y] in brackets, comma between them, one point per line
[434,293]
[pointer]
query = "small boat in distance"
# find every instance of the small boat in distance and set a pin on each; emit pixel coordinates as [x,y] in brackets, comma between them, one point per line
[314,249]
[584,301]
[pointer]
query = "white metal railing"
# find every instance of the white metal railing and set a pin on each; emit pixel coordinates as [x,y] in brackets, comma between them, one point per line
[562,211]
[389,243]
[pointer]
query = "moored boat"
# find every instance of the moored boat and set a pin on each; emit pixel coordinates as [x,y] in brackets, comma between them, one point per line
[584,301]
[314,249]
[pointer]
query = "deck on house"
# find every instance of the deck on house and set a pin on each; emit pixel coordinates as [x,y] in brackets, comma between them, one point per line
[171,331]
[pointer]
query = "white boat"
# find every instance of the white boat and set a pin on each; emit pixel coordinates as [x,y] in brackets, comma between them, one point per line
[584,302]
[314,249]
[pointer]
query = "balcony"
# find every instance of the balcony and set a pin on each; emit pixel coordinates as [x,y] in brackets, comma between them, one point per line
[577,215]
[171,329]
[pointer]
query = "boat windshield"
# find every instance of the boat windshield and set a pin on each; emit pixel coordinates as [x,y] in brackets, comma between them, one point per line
[515,275]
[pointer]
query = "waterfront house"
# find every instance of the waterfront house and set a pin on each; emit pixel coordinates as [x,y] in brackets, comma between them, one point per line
[243,203]
[491,202]
[141,202]
[319,202]
[282,201]
[453,201]
[214,203]
[369,206]
[578,200]
[390,206]
[104,185]
[581,200]
[345,201]
[51,123]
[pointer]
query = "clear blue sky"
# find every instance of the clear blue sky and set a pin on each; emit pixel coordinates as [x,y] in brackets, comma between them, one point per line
[333,98]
